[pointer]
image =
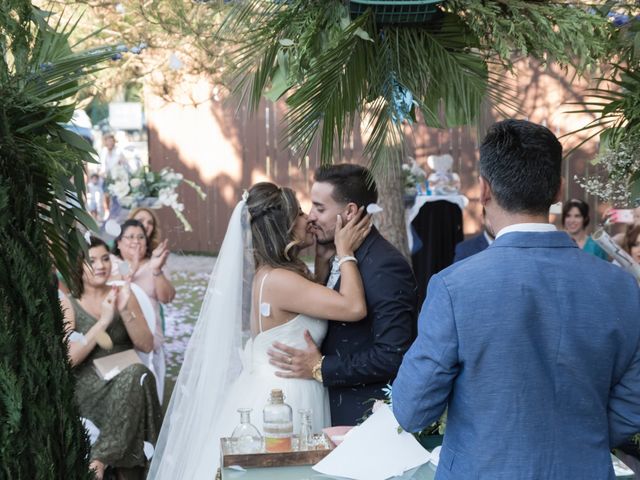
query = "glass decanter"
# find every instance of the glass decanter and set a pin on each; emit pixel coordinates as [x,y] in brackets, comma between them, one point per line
[278,423]
[245,437]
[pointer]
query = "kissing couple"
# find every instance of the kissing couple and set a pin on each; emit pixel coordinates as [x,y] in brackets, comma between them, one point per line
[330,341]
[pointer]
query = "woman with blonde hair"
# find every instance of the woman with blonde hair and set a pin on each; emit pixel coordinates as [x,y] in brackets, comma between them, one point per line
[149,220]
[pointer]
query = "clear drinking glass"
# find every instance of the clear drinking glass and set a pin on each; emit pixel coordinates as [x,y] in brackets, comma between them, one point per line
[305,437]
[245,437]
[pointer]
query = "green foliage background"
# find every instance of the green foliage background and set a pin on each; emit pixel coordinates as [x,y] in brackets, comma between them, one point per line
[41,206]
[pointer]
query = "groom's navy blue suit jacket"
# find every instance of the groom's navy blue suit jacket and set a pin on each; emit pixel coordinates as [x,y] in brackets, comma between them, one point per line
[361,358]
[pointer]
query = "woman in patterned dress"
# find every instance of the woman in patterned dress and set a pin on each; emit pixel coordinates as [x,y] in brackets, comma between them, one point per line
[103,320]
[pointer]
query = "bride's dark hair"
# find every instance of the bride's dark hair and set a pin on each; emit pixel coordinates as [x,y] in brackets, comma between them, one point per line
[273,211]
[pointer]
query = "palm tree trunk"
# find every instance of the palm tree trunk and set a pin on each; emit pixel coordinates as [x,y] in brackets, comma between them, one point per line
[392,221]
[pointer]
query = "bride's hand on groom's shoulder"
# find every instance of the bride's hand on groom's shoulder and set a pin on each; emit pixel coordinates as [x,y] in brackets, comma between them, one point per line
[293,362]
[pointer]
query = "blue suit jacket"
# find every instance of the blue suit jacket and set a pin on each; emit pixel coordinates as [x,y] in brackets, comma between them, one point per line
[361,358]
[470,247]
[533,345]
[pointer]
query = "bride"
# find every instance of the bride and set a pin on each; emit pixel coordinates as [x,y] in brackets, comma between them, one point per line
[260,292]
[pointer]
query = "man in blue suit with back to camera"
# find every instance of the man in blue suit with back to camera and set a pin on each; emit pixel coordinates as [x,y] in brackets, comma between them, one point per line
[532,344]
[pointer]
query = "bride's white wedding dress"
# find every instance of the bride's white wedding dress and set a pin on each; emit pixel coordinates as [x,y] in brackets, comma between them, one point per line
[253,386]
[221,374]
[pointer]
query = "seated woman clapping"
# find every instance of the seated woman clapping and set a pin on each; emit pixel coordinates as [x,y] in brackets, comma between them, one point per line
[104,320]
[145,268]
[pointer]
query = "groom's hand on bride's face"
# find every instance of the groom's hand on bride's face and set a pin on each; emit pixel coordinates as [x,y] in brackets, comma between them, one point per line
[293,362]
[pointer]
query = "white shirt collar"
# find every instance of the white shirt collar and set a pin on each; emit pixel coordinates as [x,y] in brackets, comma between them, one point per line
[527,227]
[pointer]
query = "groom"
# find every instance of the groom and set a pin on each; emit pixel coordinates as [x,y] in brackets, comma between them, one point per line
[357,359]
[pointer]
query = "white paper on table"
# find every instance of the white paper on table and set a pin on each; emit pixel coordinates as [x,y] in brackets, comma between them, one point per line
[374,451]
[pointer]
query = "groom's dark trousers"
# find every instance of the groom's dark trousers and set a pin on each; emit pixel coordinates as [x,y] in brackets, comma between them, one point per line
[361,358]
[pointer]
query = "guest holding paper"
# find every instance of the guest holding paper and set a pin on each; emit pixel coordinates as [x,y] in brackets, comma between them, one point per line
[103,320]
[532,343]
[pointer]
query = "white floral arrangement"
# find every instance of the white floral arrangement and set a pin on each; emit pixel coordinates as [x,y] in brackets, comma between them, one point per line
[413,175]
[145,188]
[619,181]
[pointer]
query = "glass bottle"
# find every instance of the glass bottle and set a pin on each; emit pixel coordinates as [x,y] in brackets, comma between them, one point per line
[305,435]
[245,437]
[278,423]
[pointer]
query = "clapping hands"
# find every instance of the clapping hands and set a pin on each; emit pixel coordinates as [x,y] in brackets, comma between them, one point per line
[108,306]
[123,295]
[159,256]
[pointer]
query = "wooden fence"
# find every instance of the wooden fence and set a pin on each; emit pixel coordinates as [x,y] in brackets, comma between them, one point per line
[226,150]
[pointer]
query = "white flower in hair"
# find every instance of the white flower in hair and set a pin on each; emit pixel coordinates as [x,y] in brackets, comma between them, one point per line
[374,208]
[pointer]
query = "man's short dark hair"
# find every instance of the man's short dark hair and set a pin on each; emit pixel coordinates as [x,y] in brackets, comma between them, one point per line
[351,183]
[522,162]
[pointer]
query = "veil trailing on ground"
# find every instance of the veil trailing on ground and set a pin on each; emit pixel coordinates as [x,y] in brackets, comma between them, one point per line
[186,448]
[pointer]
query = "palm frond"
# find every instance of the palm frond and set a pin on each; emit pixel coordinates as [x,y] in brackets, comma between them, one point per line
[337,72]
[42,81]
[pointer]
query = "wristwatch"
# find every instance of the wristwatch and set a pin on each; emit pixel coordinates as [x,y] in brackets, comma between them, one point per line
[316,371]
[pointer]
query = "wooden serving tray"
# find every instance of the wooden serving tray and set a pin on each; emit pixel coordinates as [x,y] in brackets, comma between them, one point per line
[269,459]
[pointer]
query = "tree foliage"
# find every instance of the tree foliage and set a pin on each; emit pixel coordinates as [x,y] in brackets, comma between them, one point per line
[180,36]
[334,68]
[41,203]
[615,103]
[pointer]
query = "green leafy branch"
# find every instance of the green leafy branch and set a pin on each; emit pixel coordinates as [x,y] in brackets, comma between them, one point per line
[336,72]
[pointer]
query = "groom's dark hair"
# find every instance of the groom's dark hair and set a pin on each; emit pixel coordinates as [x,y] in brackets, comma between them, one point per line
[522,163]
[351,183]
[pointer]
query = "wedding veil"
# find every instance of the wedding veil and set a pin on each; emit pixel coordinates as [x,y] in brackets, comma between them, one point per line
[186,447]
